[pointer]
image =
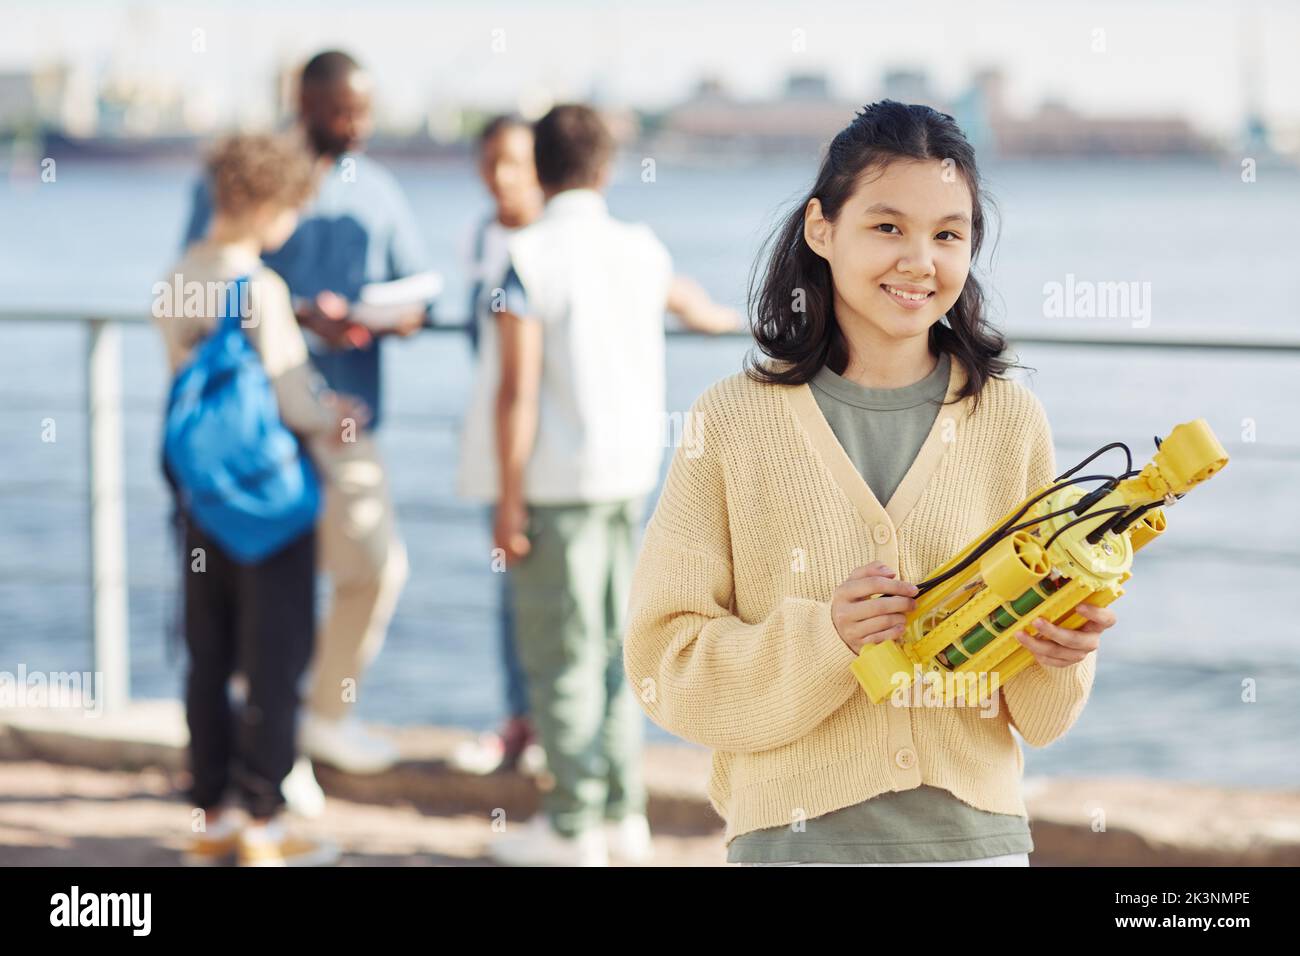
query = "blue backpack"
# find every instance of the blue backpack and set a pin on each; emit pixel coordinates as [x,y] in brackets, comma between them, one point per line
[240,475]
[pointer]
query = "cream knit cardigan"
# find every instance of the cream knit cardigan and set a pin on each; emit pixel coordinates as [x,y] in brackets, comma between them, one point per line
[729,640]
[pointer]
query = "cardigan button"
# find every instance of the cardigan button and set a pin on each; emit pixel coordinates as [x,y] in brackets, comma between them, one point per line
[905,758]
[881,534]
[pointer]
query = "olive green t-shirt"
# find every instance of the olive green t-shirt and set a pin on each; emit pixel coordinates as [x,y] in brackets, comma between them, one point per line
[882,430]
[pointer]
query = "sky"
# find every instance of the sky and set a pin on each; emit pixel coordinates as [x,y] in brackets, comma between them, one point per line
[1187,57]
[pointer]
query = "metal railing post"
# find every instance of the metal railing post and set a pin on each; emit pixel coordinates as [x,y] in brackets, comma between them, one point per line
[107,504]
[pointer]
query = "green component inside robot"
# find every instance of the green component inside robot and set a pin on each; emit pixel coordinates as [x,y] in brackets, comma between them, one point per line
[970,643]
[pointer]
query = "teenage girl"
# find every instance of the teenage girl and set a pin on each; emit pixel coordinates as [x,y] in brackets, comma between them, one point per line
[871,438]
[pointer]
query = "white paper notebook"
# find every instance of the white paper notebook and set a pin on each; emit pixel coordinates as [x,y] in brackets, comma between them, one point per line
[382,304]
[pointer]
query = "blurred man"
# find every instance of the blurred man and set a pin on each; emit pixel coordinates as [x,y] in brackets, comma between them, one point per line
[358,230]
[566,438]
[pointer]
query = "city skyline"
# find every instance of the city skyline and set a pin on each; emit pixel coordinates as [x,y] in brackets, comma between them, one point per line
[1211,65]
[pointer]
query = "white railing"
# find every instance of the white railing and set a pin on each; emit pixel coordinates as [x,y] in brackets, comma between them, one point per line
[107,485]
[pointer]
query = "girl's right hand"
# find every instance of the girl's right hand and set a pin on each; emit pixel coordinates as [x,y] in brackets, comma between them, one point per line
[860,618]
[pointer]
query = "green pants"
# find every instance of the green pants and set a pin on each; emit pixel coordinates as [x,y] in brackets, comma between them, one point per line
[570,597]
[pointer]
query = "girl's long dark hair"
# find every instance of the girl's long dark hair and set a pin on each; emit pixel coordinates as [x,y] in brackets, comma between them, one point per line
[800,342]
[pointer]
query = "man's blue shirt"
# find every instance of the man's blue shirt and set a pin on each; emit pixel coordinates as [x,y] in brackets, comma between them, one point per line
[357,229]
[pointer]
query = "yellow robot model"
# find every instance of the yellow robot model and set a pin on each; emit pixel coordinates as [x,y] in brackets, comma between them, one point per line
[1059,547]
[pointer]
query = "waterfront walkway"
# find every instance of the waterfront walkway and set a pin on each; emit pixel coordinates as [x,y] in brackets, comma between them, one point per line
[103,791]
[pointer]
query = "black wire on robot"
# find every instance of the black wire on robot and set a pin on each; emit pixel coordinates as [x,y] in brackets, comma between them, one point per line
[1124,516]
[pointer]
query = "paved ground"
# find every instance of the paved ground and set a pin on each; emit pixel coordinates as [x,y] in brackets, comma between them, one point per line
[68,795]
[59,815]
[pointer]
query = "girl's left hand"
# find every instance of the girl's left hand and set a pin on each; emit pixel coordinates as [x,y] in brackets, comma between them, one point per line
[1055,646]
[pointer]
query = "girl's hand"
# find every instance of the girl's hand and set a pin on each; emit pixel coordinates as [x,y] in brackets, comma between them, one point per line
[860,618]
[1060,647]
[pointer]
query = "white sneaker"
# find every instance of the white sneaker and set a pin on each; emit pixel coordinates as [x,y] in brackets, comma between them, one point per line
[536,843]
[480,756]
[302,793]
[345,744]
[217,842]
[532,762]
[629,839]
[486,754]
[270,844]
